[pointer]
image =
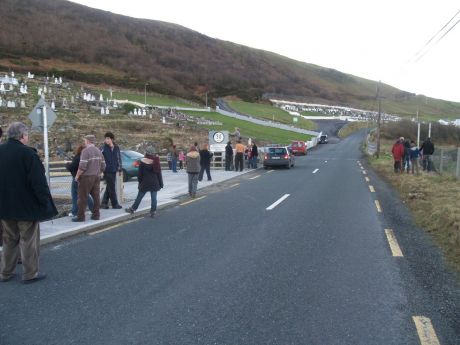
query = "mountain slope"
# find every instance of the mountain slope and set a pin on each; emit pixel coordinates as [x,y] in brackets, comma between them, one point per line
[171,58]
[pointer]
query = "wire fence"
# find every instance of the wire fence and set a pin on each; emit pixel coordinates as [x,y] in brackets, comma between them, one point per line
[447,161]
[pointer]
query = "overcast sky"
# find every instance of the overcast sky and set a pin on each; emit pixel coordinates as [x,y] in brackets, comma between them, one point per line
[371,39]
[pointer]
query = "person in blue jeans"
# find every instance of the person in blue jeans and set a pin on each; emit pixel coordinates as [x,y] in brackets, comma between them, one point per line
[72,167]
[150,180]
[174,157]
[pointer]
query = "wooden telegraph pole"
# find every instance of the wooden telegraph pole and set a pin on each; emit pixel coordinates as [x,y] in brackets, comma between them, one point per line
[377,153]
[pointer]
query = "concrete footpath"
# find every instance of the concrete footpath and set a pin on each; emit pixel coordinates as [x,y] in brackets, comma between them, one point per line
[175,186]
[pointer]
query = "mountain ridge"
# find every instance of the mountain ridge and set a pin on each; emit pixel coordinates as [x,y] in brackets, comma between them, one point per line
[173,59]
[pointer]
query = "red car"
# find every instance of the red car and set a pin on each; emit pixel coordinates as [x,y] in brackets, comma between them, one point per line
[299,147]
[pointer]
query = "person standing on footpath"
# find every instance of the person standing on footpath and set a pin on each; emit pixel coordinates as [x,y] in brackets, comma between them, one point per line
[150,180]
[398,154]
[174,157]
[181,160]
[112,156]
[239,148]
[406,164]
[414,155]
[428,149]
[192,163]
[205,163]
[92,165]
[25,200]
[254,155]
[228,156]
[72,167]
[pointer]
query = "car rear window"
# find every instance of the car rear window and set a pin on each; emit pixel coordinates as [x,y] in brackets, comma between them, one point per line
[277,150]
[133,154]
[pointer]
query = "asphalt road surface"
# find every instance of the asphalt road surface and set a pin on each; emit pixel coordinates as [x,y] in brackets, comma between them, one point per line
[283,256]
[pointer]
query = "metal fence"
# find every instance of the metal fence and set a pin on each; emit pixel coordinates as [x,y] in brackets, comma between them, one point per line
[447,161]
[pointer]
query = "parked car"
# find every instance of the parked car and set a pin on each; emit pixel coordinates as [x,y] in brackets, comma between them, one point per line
[278,156]
[130,161]
[323,139]
[299,147]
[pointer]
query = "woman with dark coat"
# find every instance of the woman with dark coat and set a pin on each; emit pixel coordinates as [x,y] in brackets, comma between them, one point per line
[205,163]
[72,167]
[150,180]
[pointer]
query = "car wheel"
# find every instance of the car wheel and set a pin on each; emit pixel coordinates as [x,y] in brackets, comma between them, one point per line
[125,176]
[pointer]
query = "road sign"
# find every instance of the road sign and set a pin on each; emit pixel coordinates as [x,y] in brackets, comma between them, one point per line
[36,115]
[218,140]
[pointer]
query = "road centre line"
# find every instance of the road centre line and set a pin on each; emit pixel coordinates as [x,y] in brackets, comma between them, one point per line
[371,188]
[113,227]
[364,172]
[367,179]
[234,185]
[315,171]
[276,203]
[253,178]
[394,246]
[377,205]
[193,200]
[425,330]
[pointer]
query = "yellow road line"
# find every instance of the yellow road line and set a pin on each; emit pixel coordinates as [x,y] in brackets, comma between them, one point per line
[425,331]
[371,188]
[377,205]
[193,200]
[394,246]
[113,227]
[253,178]
[367,179]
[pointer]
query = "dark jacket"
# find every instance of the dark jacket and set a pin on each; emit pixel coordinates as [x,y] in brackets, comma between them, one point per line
[255,151]
[205,158]
[192,160]
[149,179]
[228,150]
[72,166]
[427,147]
[112,158]
[24,192]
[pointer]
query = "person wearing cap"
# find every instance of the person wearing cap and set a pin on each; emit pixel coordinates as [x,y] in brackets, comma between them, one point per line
[25,200]
[112,156]
[92,165]
[150,180]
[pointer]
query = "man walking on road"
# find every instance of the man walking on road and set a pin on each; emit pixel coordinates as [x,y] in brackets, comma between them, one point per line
[112,156]
[25,200]
[239,148]
[92,165]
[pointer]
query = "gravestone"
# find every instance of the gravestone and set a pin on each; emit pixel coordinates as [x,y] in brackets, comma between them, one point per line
[23,103]
[72,99]
[64,103]
[107,111]
[102,111]
[2,87]
[144,112]
[101,98]
[45,90]
[11,87]
[60,80]
[53,105]
[135,111]
[12,74]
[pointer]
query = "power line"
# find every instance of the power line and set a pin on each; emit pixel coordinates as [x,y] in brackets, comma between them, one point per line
[426,48]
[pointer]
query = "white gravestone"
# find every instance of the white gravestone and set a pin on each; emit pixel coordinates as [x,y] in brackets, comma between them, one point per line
[107,111]
[23,103]
[56,81]
[12,74]
[144,112]
[135,111]
[53,106]
[102,111]
[2,87]
[72,99]
[60,80]
[101,98]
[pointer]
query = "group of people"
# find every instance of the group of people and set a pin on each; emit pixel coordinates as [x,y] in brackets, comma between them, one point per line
[407,155]
[250,154]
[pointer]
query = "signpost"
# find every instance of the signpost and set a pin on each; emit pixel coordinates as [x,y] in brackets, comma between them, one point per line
[43,117]
[218,140]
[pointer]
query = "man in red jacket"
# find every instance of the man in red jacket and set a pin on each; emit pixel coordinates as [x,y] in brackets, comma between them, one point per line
[398,154]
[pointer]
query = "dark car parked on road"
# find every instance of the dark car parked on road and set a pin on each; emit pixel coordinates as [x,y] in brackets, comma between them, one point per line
[323,139]
[278,156]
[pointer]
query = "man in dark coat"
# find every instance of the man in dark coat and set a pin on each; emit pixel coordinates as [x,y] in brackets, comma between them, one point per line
[25,200]
[112,156]
[427,150]
[228,156]
[254,155]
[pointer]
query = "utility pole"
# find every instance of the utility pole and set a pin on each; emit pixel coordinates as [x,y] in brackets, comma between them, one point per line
[418,126]
[145,95]
[378,121]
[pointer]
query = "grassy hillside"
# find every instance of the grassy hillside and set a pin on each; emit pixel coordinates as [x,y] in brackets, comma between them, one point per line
[101,47]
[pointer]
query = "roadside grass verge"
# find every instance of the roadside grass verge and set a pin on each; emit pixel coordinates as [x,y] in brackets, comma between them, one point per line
[268,112]
[248,129]
[353,127]
[152,99]
[433,200]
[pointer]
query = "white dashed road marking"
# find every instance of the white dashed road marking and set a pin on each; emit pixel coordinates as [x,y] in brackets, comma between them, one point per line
[276,203]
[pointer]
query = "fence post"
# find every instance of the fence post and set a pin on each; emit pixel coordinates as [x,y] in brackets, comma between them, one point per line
[440,164]
[458,163]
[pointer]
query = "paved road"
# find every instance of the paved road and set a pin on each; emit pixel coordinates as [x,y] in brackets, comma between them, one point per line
[316,268]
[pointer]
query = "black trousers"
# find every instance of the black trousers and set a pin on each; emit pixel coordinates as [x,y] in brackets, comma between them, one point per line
[110,192]
[228,162]
[239,162]
[208,172]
